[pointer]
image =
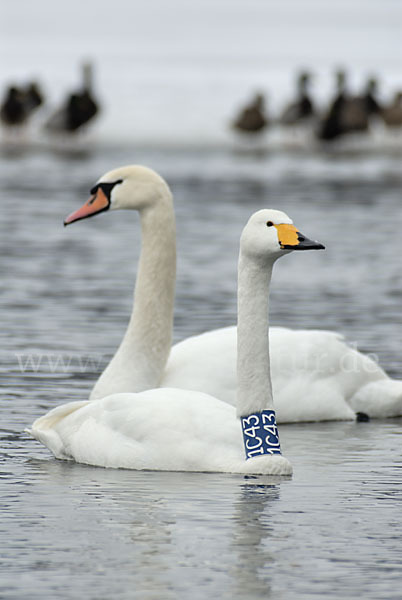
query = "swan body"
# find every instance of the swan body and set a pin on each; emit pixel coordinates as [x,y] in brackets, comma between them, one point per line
[162,429]
[180,430]
[316,375]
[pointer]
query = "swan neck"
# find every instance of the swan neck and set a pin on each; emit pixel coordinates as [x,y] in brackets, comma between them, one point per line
[254,389]
[139,362]
[151,320]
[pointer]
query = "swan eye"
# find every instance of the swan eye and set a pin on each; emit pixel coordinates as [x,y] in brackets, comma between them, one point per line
[106,187]
[269,224]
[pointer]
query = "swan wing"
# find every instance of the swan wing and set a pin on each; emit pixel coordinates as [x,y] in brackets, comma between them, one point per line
[315,374]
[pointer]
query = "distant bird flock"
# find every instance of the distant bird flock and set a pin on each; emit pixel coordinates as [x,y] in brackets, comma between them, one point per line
[344,114]
[77,111]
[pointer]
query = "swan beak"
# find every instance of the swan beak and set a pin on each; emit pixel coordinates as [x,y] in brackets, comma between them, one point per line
[291,239]
[97,203]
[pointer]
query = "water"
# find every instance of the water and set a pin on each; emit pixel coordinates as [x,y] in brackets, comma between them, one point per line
[333,530]
[70,531]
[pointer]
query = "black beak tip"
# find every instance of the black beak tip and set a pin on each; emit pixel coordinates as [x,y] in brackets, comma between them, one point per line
[306,243]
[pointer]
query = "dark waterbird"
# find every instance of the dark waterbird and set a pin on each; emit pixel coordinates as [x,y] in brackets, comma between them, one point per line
[252,118]
[347,113]
[13,110]
[392,114]
[302,108]
[78,110]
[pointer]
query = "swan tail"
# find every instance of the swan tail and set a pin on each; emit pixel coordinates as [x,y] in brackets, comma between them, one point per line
[379,399]
[45,430]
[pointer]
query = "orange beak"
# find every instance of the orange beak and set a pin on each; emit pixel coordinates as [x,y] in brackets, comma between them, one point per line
[97,203]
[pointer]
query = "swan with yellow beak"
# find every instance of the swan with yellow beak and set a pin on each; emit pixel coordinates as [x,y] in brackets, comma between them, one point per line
[171,429]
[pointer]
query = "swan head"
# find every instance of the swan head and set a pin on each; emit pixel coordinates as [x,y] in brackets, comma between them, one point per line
[132,187]
[269,234]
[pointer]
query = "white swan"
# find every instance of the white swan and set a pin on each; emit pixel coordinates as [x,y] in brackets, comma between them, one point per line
[316,375]
[333,381]
[141,357]
[178,430]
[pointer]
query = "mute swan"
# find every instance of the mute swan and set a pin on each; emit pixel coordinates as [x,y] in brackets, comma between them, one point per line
[333,381]
[179,430]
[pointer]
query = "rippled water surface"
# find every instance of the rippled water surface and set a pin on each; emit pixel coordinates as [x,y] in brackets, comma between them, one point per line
[334,530]
[169,77]
[69,531]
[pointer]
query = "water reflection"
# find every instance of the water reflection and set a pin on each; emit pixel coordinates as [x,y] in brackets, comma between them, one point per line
[252,539]
[225,535]
[155,526]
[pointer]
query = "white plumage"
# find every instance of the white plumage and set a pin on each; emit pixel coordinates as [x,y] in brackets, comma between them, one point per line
[178,430]
[162,429]
[316,375]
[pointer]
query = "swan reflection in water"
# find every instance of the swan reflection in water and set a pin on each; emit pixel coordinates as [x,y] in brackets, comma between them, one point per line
[253,544]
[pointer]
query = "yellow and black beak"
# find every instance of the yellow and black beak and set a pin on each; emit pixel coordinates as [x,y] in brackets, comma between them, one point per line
[291,239]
